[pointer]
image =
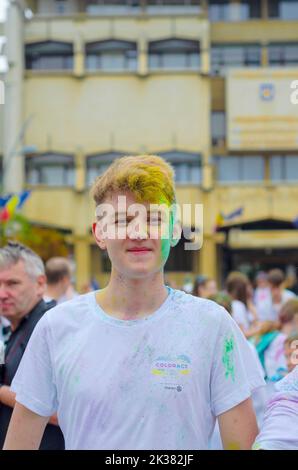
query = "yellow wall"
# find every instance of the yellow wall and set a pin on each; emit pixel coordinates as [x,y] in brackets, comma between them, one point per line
[100,113]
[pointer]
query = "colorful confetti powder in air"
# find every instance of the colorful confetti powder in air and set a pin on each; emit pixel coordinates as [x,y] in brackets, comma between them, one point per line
[228,358]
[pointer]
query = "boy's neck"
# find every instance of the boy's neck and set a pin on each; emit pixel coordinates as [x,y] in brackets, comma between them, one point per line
[131,299]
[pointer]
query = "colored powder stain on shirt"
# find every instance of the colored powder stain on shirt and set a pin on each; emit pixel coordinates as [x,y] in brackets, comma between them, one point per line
[233,446]
[228,358]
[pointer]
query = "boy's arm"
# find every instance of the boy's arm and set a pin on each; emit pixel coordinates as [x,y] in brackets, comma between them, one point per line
[7,397]
[25,429]
[238,426]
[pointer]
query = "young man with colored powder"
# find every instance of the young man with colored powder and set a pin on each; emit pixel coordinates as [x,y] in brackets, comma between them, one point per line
[136,365]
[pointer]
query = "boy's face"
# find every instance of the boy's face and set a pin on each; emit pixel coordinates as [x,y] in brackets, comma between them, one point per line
[138,243]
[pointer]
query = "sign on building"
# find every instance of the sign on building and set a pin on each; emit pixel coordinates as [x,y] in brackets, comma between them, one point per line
[260,112]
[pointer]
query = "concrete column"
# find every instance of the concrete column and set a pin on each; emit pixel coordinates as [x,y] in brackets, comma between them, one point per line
[142,56]
[80,169]
[79,57]
[14,125]
[208,256]
[82,259]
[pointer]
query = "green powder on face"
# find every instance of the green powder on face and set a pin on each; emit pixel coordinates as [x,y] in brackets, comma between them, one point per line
[228,357]
[166,242]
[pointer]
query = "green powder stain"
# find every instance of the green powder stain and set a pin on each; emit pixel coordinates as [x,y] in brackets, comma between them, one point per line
[228,358]
[166,242]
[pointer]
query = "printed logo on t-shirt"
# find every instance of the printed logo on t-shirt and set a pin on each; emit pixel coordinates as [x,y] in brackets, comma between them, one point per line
[167,366]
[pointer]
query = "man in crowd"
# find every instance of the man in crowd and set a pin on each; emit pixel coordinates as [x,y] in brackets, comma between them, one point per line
[59,287]
[279,294]
[22,286]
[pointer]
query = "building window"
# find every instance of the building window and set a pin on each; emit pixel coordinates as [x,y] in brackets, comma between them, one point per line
[246,168]
[218,128]
[97,164]
[283,9]
[170,5]
[174,54]
[284,168]
[51,170]
[95,7]
[61,6]
[111,55]
[225,56]
[49,55]
[223,10]
[283,54]
[187,166]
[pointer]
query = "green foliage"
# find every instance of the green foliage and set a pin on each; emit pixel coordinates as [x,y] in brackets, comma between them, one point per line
[44,241]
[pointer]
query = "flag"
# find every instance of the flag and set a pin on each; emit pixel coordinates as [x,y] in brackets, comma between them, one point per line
[23,198]
[221,218]
[10,203]
[219,221]
[4,200]
[295,222]
[234,214]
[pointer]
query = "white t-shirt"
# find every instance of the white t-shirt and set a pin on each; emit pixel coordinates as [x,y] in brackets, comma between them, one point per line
[263,303]
[153,383]
[240,314]
[3,326]
[280,427]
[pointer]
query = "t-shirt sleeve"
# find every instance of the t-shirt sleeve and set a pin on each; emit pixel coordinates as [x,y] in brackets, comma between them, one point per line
[235,371]
[34,383]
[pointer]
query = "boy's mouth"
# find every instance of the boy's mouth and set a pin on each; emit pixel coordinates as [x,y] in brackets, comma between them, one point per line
[139,250]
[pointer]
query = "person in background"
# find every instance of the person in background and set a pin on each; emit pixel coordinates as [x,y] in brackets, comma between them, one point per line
[204,287]
[22,286]
[291,281]
[188,285]
[291,350]
[262,296]
[279,294]
[59,287]
[288,316]
[224,300]
[280,424]
[270,342]
[237,286]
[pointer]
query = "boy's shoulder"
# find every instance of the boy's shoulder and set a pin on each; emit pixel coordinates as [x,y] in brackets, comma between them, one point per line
[71,311]
[198,307]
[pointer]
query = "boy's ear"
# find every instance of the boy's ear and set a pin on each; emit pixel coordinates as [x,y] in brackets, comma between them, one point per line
[176,235]
[97,233]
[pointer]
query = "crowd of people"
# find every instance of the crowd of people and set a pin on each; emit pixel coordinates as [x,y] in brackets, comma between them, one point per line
[266,310]
[196,367]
